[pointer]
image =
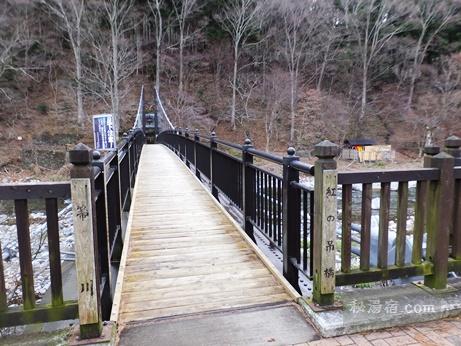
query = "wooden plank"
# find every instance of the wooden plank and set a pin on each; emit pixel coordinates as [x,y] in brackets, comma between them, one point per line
[34,190]
[383,237]
[346,228]
[145,303]
[25,256]
[366,227]
[181,249]
[402,211]
[388,176]
[41,313]
[51,205]
[422,189]
[456,252]
[210,306]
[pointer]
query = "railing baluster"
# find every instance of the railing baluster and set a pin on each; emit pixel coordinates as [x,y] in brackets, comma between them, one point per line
[420,220]
[25,256]
[383,236]
[3,301]
[54,252]
[346,228]
[279,188]
[402,211]
[456,252]
[365,227]
[311,232]
[304,229]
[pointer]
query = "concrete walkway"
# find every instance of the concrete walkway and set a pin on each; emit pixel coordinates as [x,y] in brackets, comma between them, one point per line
[437,333]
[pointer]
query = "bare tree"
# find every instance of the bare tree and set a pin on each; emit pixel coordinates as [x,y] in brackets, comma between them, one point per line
[183,10]
[240,18]
[112,54]
[156,9]
[300,22]
[275,97]
[431,16]
[373,23]
[70,14]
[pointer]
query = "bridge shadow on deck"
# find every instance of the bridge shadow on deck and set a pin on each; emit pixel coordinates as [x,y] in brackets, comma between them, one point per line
[189,275]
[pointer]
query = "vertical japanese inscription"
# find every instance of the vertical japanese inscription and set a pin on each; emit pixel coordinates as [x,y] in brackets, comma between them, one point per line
[329,212]
[84,248]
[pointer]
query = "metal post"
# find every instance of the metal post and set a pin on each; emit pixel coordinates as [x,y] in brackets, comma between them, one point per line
[186,139]
[196,140]
[143,115]
[291,216]
[213,146]
[86,241]
[439,216]
[325,217]
[249,189]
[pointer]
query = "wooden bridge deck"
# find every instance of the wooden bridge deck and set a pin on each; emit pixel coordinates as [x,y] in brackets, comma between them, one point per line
[183,253]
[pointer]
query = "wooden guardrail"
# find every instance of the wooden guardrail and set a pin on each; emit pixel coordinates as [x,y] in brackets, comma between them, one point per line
[100,188]
[302,220]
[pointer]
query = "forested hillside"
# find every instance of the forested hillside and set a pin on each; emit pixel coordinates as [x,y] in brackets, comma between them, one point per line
[280,71]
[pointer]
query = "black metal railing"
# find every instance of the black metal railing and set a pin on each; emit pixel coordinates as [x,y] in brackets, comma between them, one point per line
[290,211]
[232,174]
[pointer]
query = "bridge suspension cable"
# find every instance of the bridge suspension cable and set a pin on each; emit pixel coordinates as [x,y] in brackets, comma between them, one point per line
[161,111]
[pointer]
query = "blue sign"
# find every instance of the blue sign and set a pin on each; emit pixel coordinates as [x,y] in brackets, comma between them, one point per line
[103,132]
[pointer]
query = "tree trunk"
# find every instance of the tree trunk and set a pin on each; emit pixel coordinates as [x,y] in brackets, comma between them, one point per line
[115,96]
[415,69]
[181,62]
[364,92]
[293,86]
[234,87]
[78,75]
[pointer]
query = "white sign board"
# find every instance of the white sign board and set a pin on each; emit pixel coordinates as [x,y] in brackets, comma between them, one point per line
[103,132]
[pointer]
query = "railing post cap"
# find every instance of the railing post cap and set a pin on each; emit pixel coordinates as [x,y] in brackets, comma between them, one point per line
[326,149]
[96,155]
[291,151]
[80,155]
[453,142]
[247,142]
[442,156]
[197,131]
[431,150]
[213,134]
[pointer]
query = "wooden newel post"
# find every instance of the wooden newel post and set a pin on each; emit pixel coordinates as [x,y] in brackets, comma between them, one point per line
[439,217]
[291,216]
[196,140]
[453,148]
[86,242]
[249,189]
[325,218]
[213,146]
